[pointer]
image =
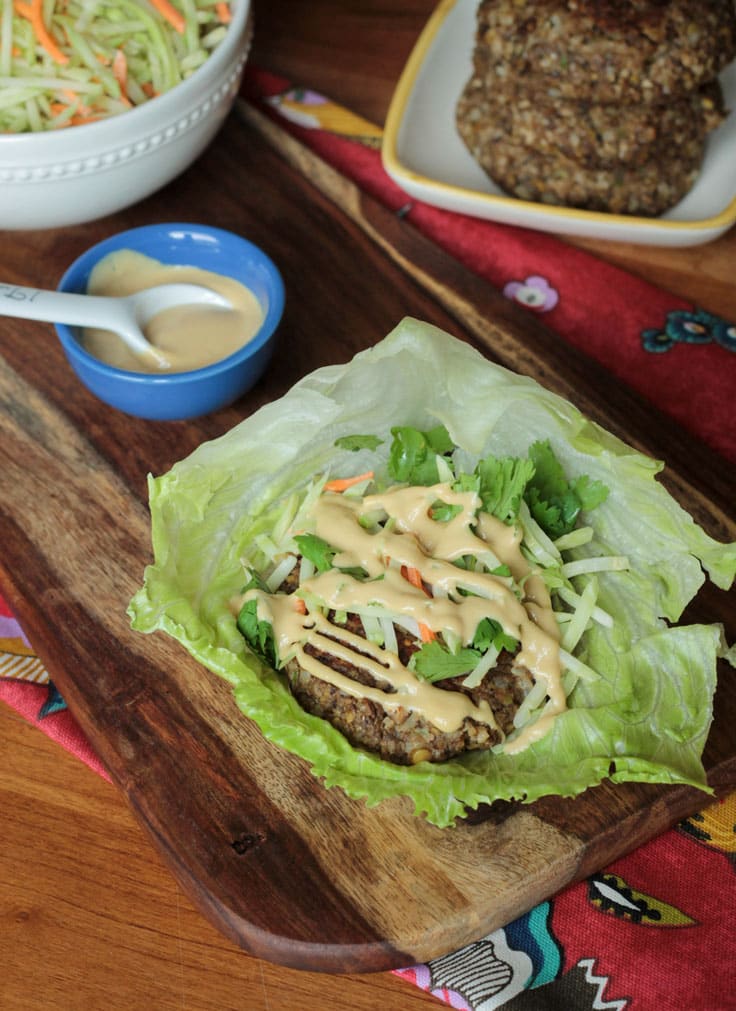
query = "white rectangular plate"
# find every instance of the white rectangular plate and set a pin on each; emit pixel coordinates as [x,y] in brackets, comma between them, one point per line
[423,153]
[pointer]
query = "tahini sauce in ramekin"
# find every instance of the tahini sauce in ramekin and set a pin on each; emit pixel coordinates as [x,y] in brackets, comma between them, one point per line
[189,336]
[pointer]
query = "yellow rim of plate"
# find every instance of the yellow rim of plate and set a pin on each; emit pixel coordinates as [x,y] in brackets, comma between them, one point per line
[393,165]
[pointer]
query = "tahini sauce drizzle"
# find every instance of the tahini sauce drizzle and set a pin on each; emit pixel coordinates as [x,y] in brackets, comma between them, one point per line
[190,336]
[414,539]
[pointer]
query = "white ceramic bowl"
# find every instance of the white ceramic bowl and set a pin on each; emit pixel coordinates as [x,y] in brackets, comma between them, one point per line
[80,173]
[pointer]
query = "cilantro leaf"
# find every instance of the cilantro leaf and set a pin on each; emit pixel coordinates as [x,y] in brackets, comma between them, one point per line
[322,555]
[439,440]
[433,662]
[554,502]
[413,454]
[316,550]
[258,634]
[467,482]
[356,571]
[501,484]
[443,512]
[490,634]
[556,517]
[354,443]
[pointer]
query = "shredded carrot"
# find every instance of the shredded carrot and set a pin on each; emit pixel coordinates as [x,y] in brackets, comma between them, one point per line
[72,97]
[426,632]
[82,112]
[299,605]
[223,12]
[80,120]
[341,483]
[148,90]
[120,67]
[413,575]
[171,14]
[33,12]
[120,71]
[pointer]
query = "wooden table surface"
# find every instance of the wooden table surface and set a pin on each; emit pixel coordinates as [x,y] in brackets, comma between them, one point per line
[90,916]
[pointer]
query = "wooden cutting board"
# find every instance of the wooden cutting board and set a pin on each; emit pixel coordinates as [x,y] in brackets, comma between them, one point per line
[290,871]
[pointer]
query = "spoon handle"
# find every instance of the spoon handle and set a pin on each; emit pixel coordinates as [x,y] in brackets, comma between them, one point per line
[125,316]
[55,306]
[100,311]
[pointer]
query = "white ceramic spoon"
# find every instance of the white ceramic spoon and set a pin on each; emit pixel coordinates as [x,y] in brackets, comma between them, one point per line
[126,316]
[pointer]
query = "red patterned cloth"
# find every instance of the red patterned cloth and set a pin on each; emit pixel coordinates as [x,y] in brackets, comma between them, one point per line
[657,343]
[654,930]
[25,687]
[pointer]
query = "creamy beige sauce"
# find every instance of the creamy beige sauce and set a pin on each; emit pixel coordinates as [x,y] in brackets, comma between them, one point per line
[189,336]
[413,538]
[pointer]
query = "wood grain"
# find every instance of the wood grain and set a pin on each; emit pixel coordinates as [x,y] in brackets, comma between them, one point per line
[91,916]
[290,872]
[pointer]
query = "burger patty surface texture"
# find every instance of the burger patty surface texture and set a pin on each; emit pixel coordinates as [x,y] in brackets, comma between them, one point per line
[403,736]
[530,174]
[610,51]
[420,629]
[594,135]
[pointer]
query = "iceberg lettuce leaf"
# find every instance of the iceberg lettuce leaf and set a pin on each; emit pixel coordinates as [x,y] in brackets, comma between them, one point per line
[647,715]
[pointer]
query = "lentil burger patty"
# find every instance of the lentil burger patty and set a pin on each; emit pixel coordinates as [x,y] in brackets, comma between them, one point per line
[595,135]
[607,51]
[529,174]
[402,736]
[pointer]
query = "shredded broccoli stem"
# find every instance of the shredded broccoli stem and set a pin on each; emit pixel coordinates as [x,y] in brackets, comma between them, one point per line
[39,92]
[6,38]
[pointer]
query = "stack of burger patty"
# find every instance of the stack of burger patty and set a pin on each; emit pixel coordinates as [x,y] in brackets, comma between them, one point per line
[599,104]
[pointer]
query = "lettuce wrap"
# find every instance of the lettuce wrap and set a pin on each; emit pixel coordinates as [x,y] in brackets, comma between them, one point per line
[644,717]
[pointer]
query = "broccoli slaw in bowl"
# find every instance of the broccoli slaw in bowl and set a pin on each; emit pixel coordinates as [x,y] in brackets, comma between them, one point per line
[78,62]
[92,123]
[426,416]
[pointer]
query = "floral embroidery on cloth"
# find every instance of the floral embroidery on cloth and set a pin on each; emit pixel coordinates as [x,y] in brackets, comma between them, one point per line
[601,945]
[595,306]
[696,327]
[606,944]
[485,974]
[535,293]
[506,968]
